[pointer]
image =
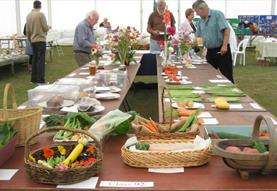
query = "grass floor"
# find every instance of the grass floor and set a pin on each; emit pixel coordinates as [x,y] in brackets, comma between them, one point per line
[256,80]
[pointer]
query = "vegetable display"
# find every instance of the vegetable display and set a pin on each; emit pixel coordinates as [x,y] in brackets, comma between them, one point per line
[63,157]
[78,120]
[221,103]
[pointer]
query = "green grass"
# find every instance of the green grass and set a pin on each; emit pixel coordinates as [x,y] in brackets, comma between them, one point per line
[257,81]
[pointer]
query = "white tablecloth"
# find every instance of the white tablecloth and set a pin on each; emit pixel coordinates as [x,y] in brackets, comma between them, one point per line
[267,49]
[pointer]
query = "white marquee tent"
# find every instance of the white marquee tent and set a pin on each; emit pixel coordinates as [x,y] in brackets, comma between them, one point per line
[65,14]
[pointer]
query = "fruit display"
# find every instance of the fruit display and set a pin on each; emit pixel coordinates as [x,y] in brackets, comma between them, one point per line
[221,103]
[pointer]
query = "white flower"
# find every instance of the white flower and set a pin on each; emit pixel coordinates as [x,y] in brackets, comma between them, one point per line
[170,49]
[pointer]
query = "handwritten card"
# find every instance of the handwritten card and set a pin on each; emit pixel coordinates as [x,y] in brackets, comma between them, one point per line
[235,106]
[126,184]
[205,114]
[256,106]
[84,73]
[210,121]
[72,75]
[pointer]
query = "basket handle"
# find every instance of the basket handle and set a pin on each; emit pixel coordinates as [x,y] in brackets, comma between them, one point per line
[272,140]
[43,130]
[8,88]
[163,107]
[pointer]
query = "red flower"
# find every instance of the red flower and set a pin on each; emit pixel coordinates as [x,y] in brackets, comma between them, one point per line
[47,152]
[166,18]
[87,162]
[91,148]
[171,30]
[160,43]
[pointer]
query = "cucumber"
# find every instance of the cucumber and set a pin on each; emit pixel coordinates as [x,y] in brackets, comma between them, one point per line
[225,135]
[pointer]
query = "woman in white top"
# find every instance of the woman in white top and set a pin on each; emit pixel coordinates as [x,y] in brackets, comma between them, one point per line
[187,27]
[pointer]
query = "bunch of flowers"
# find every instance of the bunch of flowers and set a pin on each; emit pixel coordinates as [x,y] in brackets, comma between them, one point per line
[96,53]
[168,36]
[121,45]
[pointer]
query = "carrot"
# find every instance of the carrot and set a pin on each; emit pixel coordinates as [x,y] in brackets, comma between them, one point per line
[149,127]
[200,121]
[154,124]
[185,112]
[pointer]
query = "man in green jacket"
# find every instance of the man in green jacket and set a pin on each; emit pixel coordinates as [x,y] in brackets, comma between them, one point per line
[36,29]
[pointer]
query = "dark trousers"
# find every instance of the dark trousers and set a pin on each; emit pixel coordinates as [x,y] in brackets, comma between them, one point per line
[38,62]
[222,62]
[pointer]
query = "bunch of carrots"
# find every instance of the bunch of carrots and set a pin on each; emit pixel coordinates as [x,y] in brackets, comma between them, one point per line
[151,125]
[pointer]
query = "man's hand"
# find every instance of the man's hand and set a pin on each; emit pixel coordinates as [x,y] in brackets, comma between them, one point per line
[156,32]
[223,50]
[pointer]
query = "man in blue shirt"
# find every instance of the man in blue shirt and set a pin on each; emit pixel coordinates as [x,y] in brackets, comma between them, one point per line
[84,38]
[214,30]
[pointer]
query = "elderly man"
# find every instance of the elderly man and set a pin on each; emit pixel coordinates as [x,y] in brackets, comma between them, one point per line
[36,31]
[84,38]
[156,27]
[213,28]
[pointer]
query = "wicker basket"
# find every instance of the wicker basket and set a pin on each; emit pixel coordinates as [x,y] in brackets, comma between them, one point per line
[251,162]
[26,121]
[166,159]
[142,135]
[41,174]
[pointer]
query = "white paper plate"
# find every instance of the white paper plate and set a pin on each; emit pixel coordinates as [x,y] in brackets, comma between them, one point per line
[195,106]
[66,103]
[115,89]
[107,96]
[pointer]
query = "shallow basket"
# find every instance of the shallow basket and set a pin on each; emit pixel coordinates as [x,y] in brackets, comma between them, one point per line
[166,159]
[42,174]
[26,121]
[141,135]
[251,162]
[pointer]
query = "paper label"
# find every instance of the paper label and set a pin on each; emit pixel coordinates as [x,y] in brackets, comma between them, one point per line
[126,184]
[87,184]
[7,174]
[210,121]
[71,75]
[83,73]
[235,106]
[256,106]
[205,115]
[166,170]
[219,81]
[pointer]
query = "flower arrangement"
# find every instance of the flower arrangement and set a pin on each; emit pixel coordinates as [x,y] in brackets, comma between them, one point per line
[97,53]
[121,45]
[169,33]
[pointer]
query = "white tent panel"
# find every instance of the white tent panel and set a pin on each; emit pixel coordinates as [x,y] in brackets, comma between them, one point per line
[8,17]
[248,7]
[26,7]
[67,14]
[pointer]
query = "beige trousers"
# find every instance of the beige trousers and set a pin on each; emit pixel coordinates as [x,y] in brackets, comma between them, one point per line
[82,58]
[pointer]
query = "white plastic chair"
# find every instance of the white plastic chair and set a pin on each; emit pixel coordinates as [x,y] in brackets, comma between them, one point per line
[240,51]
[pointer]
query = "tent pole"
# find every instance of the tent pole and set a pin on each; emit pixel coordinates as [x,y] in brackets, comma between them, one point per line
[18,19]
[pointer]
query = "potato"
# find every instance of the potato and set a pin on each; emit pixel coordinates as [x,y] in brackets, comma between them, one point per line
[233,149]
[249,150]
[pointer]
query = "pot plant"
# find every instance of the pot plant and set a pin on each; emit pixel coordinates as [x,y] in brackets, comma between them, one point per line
[7,142]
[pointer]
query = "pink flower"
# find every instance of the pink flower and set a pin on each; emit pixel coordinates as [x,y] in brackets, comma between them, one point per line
[171,30]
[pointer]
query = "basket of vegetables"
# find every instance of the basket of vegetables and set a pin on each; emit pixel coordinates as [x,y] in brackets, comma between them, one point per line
[184,128]
[252,155]
[166,153]
[26,120]
[65,163]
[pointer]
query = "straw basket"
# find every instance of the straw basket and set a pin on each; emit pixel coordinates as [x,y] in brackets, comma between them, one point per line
[251,162]
[164,127]
[41,174]
[143,135]
[166,159]
[26,121]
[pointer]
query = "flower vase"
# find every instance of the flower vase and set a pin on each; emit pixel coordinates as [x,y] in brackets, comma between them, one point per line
[166,55]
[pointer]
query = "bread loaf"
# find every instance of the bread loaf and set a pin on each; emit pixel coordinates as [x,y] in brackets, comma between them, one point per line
[56,101]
